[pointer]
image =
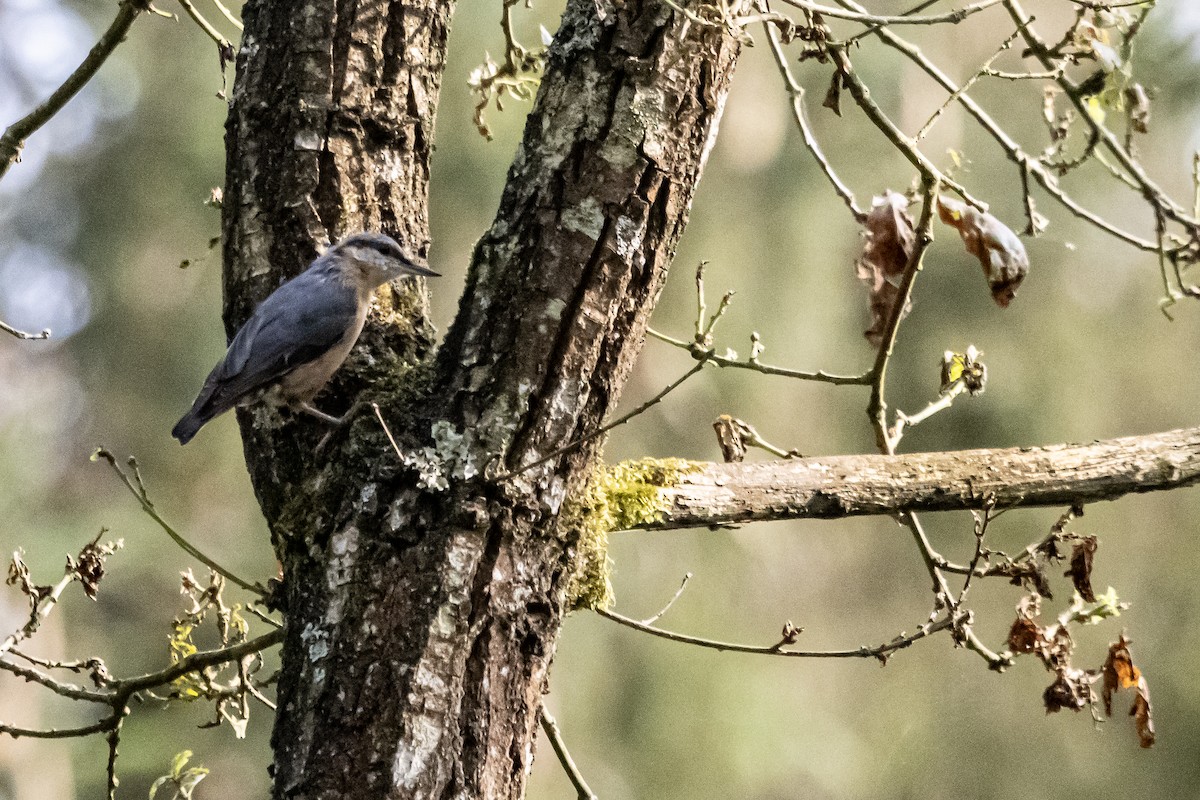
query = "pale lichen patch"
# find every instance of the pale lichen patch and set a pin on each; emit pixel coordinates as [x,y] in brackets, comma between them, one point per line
[587,218]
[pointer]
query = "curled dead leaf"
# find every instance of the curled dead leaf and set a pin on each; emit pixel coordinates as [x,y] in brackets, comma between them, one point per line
[1141,714]
[1121,673]
[1025,636]
[730,438]
[1072,690]
[1080,572]
[89,566]
[889,240]
[999,250]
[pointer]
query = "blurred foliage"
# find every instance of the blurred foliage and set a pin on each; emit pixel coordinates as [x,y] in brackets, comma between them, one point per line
[102,221]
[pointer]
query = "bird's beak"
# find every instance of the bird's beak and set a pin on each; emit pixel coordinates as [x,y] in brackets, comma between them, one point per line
[415,268]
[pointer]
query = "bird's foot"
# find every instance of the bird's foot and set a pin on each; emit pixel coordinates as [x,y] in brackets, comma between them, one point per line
[339,424]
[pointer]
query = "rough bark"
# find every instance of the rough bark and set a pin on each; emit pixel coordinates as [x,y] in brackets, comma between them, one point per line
[424,600]
[842,486]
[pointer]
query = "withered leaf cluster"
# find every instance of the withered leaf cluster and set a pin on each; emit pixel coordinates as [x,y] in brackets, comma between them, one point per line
[18,575]
[1073,688]
[88,568]
[889,240]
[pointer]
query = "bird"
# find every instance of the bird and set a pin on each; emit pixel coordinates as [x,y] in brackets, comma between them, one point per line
[298,337]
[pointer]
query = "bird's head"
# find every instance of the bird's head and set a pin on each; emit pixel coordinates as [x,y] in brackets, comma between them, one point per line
[380,257]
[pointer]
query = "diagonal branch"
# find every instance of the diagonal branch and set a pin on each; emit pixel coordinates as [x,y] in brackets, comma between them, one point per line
[842,486]
[15,135]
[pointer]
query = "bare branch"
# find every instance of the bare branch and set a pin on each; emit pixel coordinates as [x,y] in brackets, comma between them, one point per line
[45,333]
[197,661]
[550,726]
[15,135]
[843,486]
[134,484]
[711,357]
[57,733]
[67,690]
[899,643]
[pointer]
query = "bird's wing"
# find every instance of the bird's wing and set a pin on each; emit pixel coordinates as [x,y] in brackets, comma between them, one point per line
[297,323]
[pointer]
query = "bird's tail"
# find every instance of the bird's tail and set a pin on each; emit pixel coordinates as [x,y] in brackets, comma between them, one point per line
[186,428]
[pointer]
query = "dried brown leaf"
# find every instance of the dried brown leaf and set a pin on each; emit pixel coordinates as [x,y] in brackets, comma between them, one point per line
[1081,567]
[833,97]
[1137,103]
[889,240]
[89,567]
[1141,714]
[1000,251]
[1119,671]
[730,438]
[1072,690]
[1025,636]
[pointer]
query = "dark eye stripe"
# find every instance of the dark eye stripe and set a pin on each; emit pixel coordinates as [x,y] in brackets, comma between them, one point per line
[387,249]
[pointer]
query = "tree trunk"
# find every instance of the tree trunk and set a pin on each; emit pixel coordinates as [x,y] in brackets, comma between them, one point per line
[424,596]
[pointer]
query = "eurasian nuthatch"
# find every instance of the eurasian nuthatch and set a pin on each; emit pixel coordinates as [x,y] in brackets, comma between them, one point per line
[298,337]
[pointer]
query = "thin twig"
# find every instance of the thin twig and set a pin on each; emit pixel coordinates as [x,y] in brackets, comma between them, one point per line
[900,642]
[979,73]
[44,334]
[125,688]
[206,26]
[234,21]
[810,141]
[177,537]
[44,605]
[711,357]
[550,726]
[906,146]
[646,406]
[15,135]
[953,17]
[944,401]
[56,733]
[387,430]
[671,602]
[67,690]
[982,519]
[877,405]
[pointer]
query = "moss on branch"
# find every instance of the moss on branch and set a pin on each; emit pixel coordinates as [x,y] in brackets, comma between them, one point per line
[615,497]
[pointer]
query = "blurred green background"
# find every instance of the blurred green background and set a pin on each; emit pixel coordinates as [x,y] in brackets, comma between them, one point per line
[109,201]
